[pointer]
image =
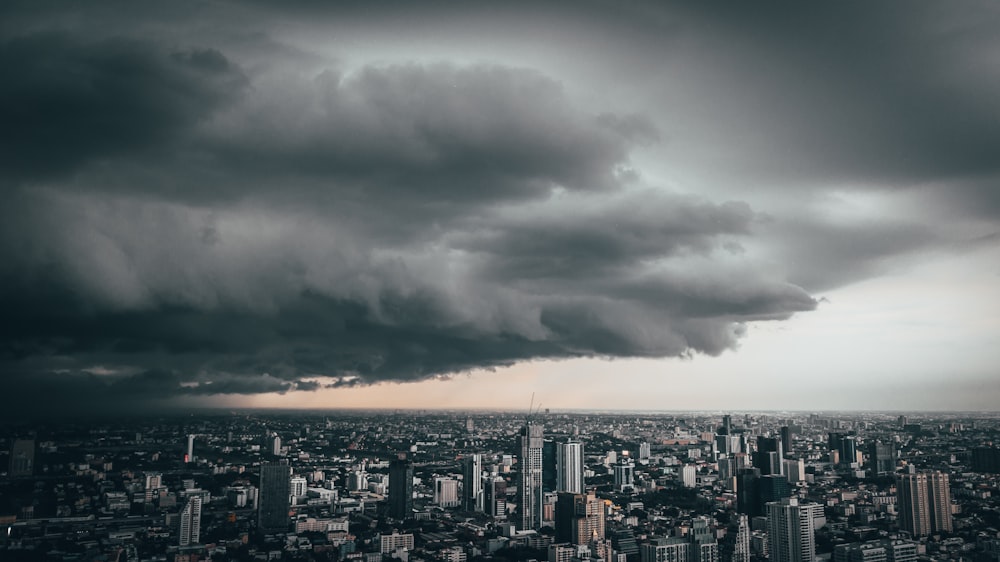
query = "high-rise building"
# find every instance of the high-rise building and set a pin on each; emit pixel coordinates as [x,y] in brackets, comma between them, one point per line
[401,488]
[849,450]
[446,491]
[740,549]
[624,471]
[190,530]
[272,514]
[645,450]
[549,465]
[579,518]
[795,470]
[748,492]
[495,496]
[773,488]
[472,483]
[924,501]
[274,445]
[530,481]
[768,455]
[569,467]
[688,475]
[189,457]
[883,457]
[786,439]
[790,533]
[22,458]
[727,425]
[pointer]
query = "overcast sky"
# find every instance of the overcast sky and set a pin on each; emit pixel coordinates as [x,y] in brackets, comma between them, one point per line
[622,204]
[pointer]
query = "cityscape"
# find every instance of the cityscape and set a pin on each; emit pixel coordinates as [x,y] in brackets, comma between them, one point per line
[499,281]
[456,486]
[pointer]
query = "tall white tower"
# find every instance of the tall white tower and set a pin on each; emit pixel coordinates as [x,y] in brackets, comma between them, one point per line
[569,467]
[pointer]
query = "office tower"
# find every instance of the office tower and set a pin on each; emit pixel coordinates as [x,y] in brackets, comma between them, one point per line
[190,531]
[401,488]
[530,482]
[645,450]
[790,533]
[786,439]
[625,474]
[748,492]
[274,445]
[472,483]
[549,468]
[795,470]
[272,513]
[189,457]
[495,496]
[741,540]
[697,547]
[768,456]
[623,541]
[446,491]
[22,458]
[579,518]
[883,457]
[849,450]
[727,425]
[924,502]
[569,467]
[773,488]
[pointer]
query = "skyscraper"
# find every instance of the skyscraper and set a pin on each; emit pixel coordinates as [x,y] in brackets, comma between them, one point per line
[883,457]
[190,531]
[569,467]
[472,483]
[924,503]
[741,540]
[624,474]
[401,488]
[272,515]
[790,533]
[530,482]
[768,456]
[189,457]
[786,439]
[748,491]
[849,450]
[549,462]
[579,518]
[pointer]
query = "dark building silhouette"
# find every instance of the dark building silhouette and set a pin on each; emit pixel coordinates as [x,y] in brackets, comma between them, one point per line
[472,483]
[549,473]
[727,425]
[773,488]
[786,439]
[849,450]
[579,518]
[986,459]
[748,492]
[401,488]
[272,512]
[22,458]
[767,457]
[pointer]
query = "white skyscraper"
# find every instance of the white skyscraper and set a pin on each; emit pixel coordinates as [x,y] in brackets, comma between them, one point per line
[190,532]
[189,457]
[741,546]
[790,533]
[472,483]
[569,467]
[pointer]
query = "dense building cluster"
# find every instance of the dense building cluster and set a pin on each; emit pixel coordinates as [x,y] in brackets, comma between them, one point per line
[461,486]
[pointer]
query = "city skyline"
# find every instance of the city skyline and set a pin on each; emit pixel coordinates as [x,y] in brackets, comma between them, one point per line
[640,205]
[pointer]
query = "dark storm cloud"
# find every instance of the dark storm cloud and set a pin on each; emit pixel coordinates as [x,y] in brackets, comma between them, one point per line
[177,224]
[64,101]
